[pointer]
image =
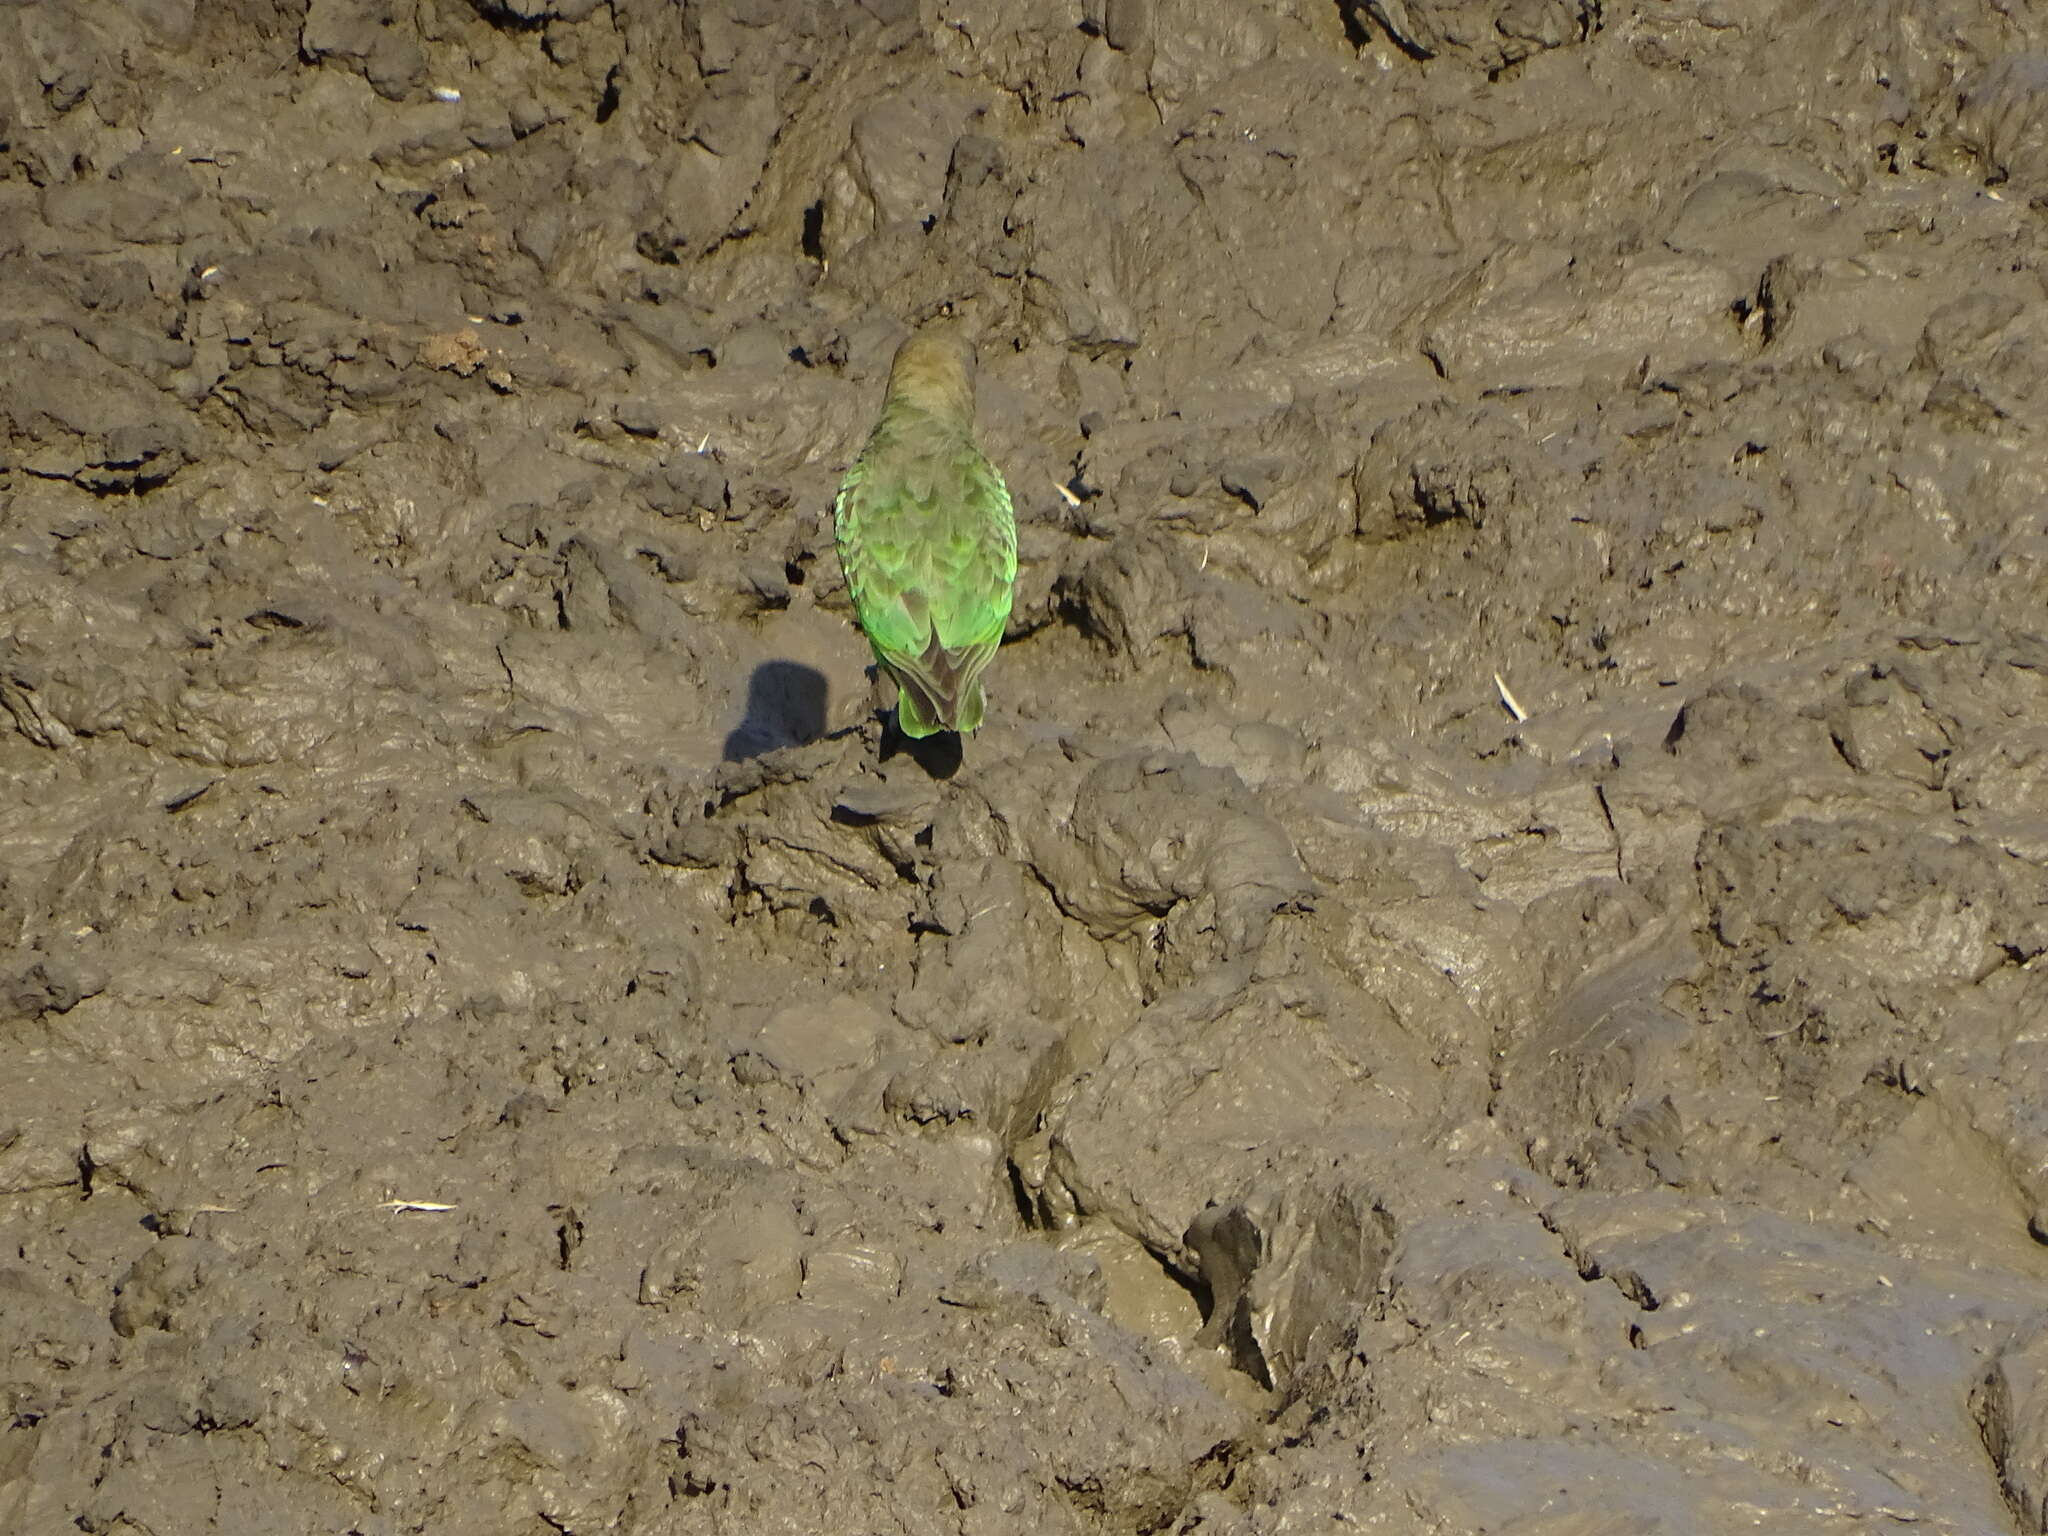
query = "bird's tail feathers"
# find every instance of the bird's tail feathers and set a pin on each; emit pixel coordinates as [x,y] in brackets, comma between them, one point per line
[941,689]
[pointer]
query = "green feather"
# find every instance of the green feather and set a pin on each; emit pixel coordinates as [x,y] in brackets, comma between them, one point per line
[928,540]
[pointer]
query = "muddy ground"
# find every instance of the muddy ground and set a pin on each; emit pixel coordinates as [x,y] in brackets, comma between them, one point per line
[495,1038]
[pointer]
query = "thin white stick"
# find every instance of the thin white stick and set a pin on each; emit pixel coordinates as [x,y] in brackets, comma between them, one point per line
[1507,698]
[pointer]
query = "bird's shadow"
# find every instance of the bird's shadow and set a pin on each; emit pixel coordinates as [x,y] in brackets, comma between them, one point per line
[785,708]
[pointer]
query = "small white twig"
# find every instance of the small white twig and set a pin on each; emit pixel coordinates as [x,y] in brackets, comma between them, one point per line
[414,1205]
[1514,705]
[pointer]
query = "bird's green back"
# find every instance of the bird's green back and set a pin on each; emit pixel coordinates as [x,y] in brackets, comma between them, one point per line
[928,539]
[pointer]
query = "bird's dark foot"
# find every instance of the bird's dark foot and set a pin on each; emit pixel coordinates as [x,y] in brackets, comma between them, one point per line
[939,755]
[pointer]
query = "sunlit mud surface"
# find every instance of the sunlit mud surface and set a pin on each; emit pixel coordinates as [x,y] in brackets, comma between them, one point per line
[495,1037]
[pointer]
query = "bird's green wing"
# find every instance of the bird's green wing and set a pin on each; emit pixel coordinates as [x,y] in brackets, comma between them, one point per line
[928,540]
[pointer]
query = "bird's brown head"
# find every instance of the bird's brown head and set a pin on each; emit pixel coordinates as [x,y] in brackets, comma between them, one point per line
[934,372]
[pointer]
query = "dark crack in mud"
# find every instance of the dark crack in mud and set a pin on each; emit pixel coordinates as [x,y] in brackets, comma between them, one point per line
[1485,975]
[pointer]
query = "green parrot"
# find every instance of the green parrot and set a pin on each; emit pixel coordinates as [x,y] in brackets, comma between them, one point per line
[928,539]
